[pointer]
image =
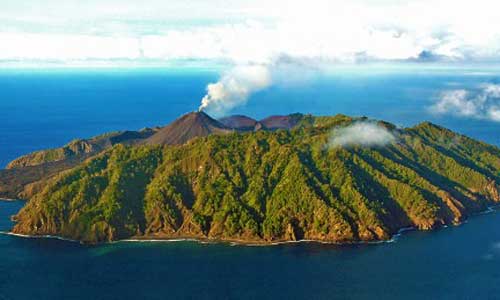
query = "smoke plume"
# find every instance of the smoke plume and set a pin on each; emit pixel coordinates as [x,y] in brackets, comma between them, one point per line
[234,88]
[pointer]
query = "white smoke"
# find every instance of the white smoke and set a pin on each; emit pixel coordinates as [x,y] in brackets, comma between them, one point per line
[483,103]
[234,88]
[364,134]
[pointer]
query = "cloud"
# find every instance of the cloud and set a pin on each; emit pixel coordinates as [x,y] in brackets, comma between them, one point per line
[364,134]
[67,47]
[266,38]
[481,103]
[245,32]
[234,88]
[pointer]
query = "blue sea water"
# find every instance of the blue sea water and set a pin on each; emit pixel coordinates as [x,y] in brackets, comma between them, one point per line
[43,109]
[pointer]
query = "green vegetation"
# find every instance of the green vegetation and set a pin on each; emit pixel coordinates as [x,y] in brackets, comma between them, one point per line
[80,148]
[74,148]
[270,186]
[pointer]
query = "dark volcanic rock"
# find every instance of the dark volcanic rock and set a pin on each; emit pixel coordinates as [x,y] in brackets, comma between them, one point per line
[244,123]
[187,127]
[240,122]
[281,122]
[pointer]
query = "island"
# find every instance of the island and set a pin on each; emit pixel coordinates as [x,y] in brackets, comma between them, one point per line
[283,178]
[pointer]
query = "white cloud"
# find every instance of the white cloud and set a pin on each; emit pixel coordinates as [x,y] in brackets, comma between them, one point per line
[249,31]
[66,47]
[456,102]
[482,103]
[256,33]
[365,134]
[234,88]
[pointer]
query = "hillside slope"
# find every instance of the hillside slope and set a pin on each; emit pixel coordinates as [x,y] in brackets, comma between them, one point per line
[80,147]
[27,174]
[270,186]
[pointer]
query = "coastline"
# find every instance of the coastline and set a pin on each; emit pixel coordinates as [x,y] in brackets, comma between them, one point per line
[10,200]
[237,242]
[27,236]
[231,242]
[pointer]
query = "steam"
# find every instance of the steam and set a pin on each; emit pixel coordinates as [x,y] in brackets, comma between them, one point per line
[364,134]
[235,87]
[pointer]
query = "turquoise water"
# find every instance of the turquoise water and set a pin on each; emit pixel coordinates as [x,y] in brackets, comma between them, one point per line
[46,109]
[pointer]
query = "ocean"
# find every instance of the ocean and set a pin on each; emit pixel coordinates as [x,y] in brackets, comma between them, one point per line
[41,109]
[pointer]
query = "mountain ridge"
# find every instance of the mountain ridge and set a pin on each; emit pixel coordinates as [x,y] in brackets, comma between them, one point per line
[269,186]
[25,175]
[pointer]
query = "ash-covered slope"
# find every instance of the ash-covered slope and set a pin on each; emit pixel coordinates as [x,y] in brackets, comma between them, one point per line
[187,127]
[270,186]
[244,123]
[241,122]
[281,122]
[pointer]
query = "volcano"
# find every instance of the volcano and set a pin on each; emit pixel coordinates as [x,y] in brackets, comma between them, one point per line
[244,123]
[281,122]
[241,123]
[187,127]
[182,191]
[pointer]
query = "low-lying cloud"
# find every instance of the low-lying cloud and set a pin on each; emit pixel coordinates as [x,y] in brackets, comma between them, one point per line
[364,134]
[481,103]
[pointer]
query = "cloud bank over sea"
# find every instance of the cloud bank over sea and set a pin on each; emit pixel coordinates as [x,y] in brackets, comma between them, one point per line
[243,32]
[258,43]
[480,103]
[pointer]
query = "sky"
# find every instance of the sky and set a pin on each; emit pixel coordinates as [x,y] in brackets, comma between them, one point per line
[315,32]
[258,43]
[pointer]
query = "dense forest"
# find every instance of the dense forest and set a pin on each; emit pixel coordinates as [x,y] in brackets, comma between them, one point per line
[270,185]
